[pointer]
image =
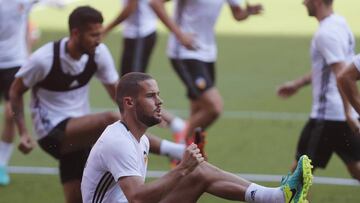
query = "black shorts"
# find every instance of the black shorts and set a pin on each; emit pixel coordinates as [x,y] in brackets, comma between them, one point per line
[136,53]
[319,139]
[71,165]
[198,76]
[7,76]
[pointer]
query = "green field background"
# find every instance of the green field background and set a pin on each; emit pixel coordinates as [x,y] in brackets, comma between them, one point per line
[254,58]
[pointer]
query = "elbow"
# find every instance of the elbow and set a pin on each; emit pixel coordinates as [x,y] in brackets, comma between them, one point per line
[341,79]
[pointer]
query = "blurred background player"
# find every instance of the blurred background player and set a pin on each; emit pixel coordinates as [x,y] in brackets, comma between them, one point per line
[13,53]
[332,120]
[192,52]
[139,35]
[17,35]
[139,38]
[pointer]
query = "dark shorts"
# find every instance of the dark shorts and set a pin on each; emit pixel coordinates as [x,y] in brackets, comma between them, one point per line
[7,76]
[319,139]
[71,165]
[198,76]
[136,54]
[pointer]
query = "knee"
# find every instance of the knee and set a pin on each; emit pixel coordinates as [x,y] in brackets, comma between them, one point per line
[216,108]
[354,170]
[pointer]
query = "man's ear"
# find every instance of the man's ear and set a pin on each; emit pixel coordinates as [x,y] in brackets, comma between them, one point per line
[75,32]
[128,101]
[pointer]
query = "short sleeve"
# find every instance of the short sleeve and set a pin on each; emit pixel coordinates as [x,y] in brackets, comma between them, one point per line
[37,67]
[121,160]
[106,71]
[356,62]
[330,48]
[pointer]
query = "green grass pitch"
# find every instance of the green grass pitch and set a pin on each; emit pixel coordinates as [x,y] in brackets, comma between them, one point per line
[254,57]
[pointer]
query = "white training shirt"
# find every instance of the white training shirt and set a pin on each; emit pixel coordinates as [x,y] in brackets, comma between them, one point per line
[48,108]
[141,22]
[197,17]
[116,154]
[13,28]
[333,42]
[356,62]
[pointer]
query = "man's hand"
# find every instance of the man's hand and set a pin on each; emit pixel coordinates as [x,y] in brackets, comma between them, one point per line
[254,9]
[287,89]
[26,144]
[192,158]
[187,40]
[354,124]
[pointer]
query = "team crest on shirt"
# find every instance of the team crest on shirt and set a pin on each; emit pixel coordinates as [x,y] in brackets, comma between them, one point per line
[145,157]
[200,83]
[74,84]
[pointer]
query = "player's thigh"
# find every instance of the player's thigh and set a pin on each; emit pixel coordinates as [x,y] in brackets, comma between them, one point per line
[314,142]
[346,144]
[195,75]
[90,123]
[72,191]
[86,129]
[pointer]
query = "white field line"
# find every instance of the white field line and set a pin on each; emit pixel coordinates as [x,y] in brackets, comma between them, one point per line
[157,174]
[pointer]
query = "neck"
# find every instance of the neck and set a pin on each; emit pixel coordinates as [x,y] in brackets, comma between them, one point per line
[325,11]
[73,50]
[136,128]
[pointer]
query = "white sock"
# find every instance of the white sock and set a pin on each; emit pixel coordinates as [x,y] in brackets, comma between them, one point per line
[171,149]
[177,124]
[260,194]
[5,153]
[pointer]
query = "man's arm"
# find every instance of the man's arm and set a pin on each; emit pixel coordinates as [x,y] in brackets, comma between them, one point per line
[111,90]
[242,14]
[354,124]
[346,81]
[291,87]
[128,9]
[186,39]
[17,91]
[137,191]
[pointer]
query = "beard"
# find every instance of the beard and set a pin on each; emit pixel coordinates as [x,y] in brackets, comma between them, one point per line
[149,121]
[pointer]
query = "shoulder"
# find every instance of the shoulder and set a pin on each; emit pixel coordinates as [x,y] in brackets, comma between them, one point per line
[103,55]
[115,135]
[102,49]
[42,58]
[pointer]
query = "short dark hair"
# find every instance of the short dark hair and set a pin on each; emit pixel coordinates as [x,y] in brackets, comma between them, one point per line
[82,16]
[328,2]
[129,86]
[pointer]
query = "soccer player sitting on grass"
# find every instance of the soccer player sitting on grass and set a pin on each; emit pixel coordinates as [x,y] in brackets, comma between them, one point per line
[117,164]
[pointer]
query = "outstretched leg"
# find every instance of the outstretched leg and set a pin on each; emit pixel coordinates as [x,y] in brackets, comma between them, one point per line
[208,178]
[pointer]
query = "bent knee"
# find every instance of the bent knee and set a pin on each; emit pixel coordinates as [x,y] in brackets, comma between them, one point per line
[354,170]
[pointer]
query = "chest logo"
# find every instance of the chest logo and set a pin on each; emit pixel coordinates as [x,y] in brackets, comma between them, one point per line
[74,83]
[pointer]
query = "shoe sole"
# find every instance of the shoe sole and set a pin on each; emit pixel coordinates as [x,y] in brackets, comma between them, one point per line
[307,178]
